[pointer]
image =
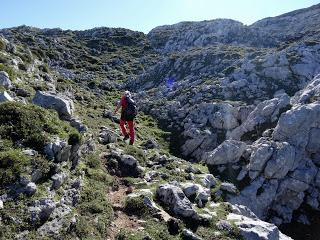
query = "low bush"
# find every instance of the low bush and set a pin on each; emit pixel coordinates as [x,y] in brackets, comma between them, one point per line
[74,138]
[30,125]
[136,206]
[12,164]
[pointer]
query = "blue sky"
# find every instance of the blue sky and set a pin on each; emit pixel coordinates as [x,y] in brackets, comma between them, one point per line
[141,15]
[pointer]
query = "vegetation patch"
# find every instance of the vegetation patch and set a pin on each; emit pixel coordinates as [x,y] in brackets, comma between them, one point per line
[12,164]
[31,125]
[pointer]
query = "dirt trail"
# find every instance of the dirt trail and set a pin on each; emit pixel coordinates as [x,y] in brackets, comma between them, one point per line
[121,220]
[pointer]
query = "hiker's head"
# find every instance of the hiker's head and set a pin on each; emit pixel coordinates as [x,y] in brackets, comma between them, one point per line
[127,94]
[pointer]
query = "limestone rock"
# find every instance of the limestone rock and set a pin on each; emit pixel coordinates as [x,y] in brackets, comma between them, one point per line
[174,198]
[252,228]
[5,97]
[5,80]
[107,136]
[281,162]
[229,151]
[62,105]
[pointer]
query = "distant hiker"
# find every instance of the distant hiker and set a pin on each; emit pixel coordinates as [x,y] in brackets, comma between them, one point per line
[128,113]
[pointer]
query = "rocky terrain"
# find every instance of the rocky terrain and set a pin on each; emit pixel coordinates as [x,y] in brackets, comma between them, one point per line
[227,132]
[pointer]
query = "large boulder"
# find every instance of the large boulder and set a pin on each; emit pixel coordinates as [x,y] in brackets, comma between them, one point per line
[229,151]
[281,162]
[123,164]
[294,125]
[62,105]
[5,80]
[176,200]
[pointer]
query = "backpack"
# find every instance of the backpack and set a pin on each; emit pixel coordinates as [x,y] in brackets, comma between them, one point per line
[131,111]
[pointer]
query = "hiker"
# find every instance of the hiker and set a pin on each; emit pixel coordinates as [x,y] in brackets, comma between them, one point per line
[128,113]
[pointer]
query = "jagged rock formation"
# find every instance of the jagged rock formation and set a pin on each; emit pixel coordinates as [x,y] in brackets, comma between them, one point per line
[268,32]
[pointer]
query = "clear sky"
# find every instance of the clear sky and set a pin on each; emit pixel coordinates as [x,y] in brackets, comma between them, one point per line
[141,15]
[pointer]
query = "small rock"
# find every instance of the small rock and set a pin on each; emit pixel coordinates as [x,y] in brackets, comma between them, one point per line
[174,198]
[303,219]
[173,226]
[151,144]
[30,189]
[224,225]
[5,97]
[57,180]
[229,187]
[189,235]
[5,80]
[107,136]
[22,92]
[77,124]
[209,181]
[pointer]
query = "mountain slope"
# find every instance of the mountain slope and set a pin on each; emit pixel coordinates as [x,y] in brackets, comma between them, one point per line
[226,142]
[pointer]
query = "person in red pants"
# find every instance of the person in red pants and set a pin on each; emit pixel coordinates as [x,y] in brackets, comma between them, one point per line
[126,116]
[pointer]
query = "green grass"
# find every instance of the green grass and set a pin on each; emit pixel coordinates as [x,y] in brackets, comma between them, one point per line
[94,210]
[11,72]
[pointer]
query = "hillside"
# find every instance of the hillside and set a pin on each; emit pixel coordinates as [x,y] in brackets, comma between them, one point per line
[227,132]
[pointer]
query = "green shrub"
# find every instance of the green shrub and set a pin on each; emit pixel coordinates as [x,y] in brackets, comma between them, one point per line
[29,124]
[136,206]
[74,138]
[12,164]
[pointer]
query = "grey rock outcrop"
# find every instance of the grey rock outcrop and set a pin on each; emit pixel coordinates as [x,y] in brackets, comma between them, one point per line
[252,228]
[266,112]
[107,136]
[63,106]
[229,151]
[176,200]
[59,150]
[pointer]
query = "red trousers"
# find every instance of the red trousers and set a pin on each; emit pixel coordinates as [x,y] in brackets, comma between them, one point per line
[124,130]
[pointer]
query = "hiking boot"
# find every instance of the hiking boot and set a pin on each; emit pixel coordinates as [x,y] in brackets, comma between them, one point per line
[126,138]
[131,142]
